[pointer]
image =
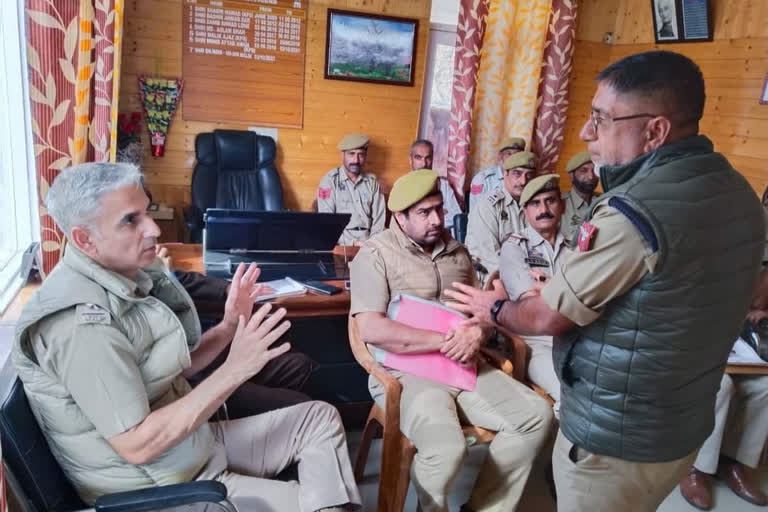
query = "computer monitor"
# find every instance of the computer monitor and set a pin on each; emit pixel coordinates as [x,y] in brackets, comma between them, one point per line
[284,244]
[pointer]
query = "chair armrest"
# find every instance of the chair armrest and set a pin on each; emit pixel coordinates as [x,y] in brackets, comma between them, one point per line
[498,360]
[155,498]
[366,360]
[519,352]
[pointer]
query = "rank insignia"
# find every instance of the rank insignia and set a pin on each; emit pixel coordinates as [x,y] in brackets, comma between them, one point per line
[587,232]
[476,189]
[323,193]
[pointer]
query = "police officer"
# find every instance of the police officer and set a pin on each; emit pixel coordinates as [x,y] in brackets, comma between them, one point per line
[416,256]
[578,200]
[103,348]
[421,157]
[539,249]
[347,189]
[487,180]
[648,304]
[497,215]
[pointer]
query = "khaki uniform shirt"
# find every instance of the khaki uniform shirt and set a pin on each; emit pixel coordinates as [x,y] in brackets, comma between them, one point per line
[576,209]
[491,221]
[451,205]
[363,199]
[527,251]
[485,182]
[390,264]
[617,260]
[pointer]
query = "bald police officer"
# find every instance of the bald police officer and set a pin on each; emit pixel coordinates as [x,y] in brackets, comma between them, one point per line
[578,200]
[421,156]
[347,189]
[416,256]
[497,215]
[539,249]
[487,180]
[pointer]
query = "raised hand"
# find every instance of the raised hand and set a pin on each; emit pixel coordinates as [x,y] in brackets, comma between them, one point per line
[250,349]
[241,293]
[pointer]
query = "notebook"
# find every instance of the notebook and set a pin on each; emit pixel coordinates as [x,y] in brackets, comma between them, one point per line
[429,315]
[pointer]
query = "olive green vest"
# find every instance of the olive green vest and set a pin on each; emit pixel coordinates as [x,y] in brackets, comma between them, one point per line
[640,382]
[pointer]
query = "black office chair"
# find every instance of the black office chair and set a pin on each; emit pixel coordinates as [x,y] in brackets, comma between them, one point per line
[39,483]
[235,169]
[460,221]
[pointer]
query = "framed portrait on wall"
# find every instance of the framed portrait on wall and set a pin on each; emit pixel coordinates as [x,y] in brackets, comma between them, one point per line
[681,21]
[366,47]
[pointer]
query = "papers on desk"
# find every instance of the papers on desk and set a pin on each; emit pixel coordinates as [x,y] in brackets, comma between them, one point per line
[743,353]
[432,316]
[285,287]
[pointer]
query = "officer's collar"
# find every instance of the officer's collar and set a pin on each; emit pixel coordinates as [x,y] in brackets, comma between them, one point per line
[611,176]
[116,283]
[345,177]
[535,239]
[508,199]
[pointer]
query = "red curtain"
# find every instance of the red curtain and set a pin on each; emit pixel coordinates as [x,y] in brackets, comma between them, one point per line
[469,41]
[550,119]
[73,55]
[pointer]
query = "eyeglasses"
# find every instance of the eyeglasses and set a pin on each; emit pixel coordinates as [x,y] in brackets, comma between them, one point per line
[595,119]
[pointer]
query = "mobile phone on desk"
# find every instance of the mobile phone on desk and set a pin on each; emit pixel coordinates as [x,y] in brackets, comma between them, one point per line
[321,287]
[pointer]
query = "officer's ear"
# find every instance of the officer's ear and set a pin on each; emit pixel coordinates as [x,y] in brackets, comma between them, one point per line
[83,239]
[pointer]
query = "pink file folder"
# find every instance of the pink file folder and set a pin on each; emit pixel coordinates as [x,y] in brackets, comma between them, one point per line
[424,314]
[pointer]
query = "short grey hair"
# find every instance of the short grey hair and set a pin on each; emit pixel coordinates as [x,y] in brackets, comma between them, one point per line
[74,199]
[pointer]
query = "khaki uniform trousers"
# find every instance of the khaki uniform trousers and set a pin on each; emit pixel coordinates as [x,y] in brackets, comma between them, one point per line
[741,422]
[430,415]
[541,369]
[250,451]
[590,482]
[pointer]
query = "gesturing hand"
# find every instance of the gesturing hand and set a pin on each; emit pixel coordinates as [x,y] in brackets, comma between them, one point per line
[476,302]
[241,293]
[250,351]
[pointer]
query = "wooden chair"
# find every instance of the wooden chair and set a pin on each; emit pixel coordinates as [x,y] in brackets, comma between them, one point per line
[519,350]
[397,450]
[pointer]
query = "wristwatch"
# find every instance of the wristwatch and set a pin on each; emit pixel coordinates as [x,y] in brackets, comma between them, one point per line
[496,308]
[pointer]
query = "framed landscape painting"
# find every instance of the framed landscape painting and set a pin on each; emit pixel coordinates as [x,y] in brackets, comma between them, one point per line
[370,48]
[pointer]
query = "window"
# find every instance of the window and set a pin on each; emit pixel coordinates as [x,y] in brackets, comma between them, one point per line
[18,219]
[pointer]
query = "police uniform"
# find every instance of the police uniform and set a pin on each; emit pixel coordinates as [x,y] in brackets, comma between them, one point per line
[390,264]
[98,352]
[494,218]
[576,207]
[741,423]
[363,199]
[487,180]
[521,253]
[621,258]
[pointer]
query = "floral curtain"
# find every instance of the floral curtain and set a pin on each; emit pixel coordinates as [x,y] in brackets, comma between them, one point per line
[508,78]
[553,86]
[73,55]
[469,41]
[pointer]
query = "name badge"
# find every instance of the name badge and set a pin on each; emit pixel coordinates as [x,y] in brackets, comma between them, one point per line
[91,314]
[536,261]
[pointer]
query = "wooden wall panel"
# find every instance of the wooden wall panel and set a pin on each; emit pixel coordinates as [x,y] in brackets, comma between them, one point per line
[389,114]
[734,67]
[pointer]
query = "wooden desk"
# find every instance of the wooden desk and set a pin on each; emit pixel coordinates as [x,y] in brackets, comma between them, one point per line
[318,329]
[189,257]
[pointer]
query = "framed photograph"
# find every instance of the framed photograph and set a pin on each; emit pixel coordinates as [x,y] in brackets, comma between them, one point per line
[764,95]
[681,21]
[370,48]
